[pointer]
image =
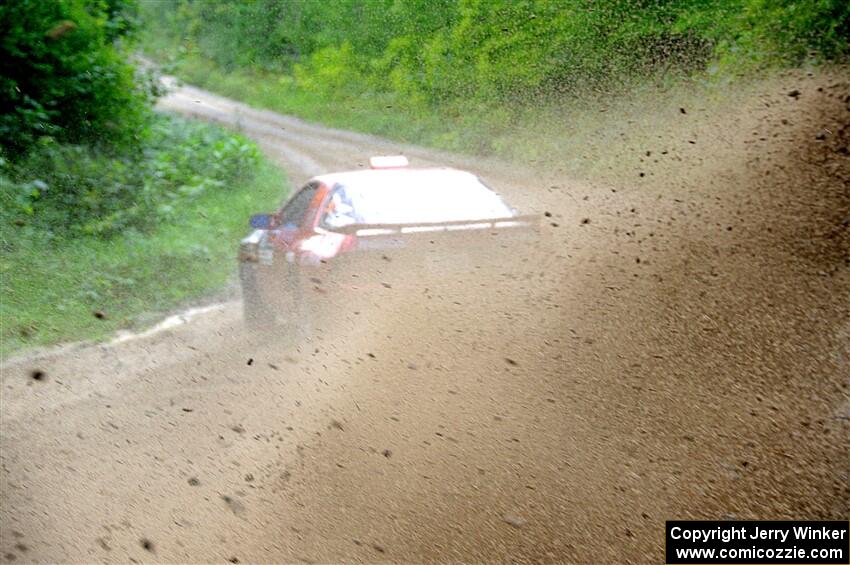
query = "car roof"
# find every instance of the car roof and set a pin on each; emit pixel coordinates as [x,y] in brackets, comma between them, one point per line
[401,175]
[405,195]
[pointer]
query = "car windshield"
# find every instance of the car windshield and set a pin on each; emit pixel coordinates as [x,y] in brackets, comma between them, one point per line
[294,210]
[407,197]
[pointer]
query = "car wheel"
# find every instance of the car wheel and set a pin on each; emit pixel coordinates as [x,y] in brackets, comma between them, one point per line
[291,307]
[258,313]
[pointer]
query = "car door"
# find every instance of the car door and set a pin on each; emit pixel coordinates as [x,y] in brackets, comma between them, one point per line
[276,276]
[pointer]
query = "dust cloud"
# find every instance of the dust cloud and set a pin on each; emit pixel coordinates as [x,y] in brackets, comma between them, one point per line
[671,347]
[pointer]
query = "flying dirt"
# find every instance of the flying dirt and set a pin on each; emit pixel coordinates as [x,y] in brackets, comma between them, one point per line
[673,348]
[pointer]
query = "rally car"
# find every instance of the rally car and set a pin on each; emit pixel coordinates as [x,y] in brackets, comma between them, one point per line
[336,220]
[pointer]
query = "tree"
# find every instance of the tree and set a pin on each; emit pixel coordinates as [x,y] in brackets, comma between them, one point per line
[64,74]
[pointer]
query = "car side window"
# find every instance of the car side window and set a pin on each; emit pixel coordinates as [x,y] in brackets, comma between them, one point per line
[339,211]
[293,212]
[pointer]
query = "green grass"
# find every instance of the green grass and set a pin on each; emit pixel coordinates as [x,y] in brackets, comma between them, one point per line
[381,113]
[51,290]
[590,138]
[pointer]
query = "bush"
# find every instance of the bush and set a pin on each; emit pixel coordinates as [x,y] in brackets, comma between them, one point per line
[60,286]
[64,74]
[433,52]
[78,190]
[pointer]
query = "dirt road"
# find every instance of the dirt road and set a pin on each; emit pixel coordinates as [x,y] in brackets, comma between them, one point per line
[675,348]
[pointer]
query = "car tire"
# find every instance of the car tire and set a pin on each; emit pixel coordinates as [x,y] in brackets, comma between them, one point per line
[285,317]
[259,315]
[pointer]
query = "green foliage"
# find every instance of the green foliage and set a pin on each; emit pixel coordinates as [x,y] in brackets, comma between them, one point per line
[105,204]
[200,184]
[470,75]
[331,71]
[437,51]
[64,74]
[77,190]
[788,32]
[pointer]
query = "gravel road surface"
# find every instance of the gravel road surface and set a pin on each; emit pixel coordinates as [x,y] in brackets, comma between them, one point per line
[675,348]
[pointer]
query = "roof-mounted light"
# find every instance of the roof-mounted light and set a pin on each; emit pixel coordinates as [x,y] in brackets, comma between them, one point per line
[388,162]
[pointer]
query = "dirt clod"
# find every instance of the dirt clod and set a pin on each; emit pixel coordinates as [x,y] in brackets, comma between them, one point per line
[235,506]
[514,520]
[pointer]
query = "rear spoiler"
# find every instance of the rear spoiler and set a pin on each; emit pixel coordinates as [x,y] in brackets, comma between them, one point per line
[365,230]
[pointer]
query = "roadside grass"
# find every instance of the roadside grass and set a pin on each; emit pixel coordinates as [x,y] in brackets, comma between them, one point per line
[380,113]
[86,288]
[591,138]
